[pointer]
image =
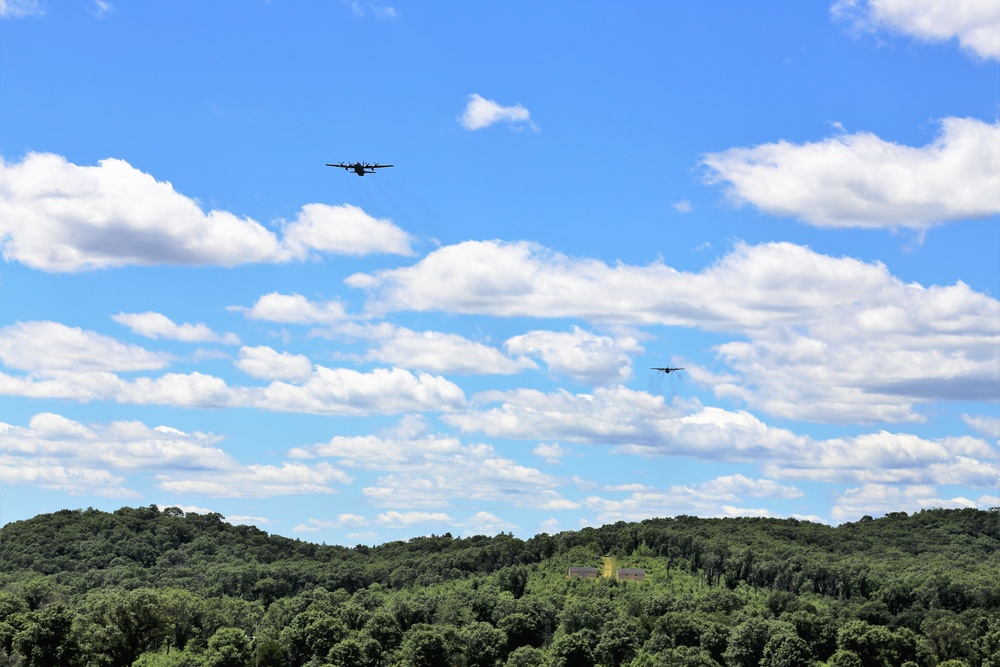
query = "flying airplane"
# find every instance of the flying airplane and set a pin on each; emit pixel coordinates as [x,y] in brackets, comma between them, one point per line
[666,370]
[360,168]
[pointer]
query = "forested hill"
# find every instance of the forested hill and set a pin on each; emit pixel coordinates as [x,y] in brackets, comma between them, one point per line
[166,588]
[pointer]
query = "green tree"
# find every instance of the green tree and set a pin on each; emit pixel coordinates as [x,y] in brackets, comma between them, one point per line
[47,640]
[425,646]
[527,656]
[125,623]
[786,649]
[574,650]
[620,640]
[229,647]
[483,645]
[843,658]
[747,641]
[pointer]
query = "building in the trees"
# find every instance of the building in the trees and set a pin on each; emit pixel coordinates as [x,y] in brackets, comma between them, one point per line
[631,574]
[583,572]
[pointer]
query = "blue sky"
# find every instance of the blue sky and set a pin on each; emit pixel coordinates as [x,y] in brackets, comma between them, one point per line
[799,203]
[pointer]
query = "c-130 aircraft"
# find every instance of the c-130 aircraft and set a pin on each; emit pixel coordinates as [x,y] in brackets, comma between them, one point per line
[360,168]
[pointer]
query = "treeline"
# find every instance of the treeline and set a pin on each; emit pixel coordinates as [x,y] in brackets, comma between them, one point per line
[168,589]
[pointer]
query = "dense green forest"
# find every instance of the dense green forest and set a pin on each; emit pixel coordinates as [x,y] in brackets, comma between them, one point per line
[156,588]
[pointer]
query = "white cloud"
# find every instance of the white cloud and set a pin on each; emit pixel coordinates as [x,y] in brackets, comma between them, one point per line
[292,309]
[50,346]
[61,217]
[156,325]
[860,180]
[975,23]
[485,523]
[59,453]
[820,337]
[878,499]
[344,230]
[437,352]
[341,521]
[988,426]
[552,452]
[257,481]
[394,519]
[15,9]
[103,8]
[637,423]
[683,206]
[74,364]
[481,112]
[580,354]
[712,498]
[265,362]
[429,471]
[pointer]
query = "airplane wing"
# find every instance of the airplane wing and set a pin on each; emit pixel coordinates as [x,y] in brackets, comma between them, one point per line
[380,166]
[339,164]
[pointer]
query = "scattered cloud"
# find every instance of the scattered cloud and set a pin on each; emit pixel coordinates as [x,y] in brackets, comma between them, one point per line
[822,338]
[361,8]
[484,523]
[429,471]
[394,519]
[988,426]
[712,498]
[58,453]
[269,364]
[437,352]
[974,23]
[878,499]
[860,180]
[257,481]
[553,453]
[156,325]
[292,309]
[15,9]
[579,354]
[683,206]
[481,113]
[62,362]
[51,347]
[60,217]
[103,8]
[637,423]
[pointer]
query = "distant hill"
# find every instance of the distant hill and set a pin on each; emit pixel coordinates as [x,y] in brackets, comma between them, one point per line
[74,584]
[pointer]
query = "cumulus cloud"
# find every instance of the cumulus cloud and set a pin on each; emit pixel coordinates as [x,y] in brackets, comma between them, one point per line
[437,352]
[60,217]
[481,112]
[553,453]
[878,499]
[156,325]
[637,423]
[822,338]
[45,346]
[429,471]
[63,454]
[485,523]
[974,23]
[860,180]
[394,519]
[67,363]
[265,362]
[258,481]
[343,230]
[292,309]
[712,498]
[579,354]
[988,426]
